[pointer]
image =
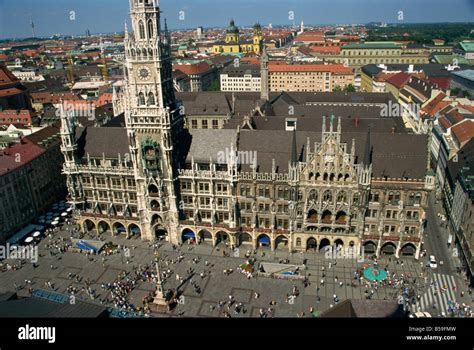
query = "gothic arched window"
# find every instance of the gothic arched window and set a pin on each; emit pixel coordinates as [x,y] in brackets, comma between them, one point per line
[151,99]
[313,195]
[141,30]
[327,197]
[341,197]
[150,28]
[141,99]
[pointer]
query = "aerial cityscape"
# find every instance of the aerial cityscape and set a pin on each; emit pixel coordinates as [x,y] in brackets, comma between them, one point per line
[294,169]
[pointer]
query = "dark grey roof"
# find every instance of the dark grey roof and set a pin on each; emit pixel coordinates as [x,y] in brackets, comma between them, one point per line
[207,143]
[118,121]
[393,155]
[102,141]
[399,155]
[371,69]
[204,103]
[242,69]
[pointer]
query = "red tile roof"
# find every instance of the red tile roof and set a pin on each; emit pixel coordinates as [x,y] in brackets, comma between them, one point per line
[435,105]
[11,113]
[253,60]
[9,92]
[444,122]
[399,80]
[6,77]
[49,97]
[463,131]
[18,154]
[191,69]
[306,37]
[326,49]
[469,108]
[104,99]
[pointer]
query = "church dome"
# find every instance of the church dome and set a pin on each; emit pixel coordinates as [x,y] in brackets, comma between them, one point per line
[232,29]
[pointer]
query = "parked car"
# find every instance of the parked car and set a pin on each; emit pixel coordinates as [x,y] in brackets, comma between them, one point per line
[433,263]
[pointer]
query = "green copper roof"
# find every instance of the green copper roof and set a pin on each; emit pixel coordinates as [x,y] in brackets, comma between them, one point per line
[449,59]
[232,28]
[467,45]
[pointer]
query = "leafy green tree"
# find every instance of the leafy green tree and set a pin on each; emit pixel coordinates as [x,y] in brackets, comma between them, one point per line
[337,88]
[349,88]
[215,86]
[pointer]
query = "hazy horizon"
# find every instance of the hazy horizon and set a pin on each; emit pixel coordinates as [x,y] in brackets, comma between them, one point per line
[54,16]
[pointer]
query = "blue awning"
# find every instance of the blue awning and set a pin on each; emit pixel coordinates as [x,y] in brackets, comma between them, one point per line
[86,246]
[189,234]
[264,239]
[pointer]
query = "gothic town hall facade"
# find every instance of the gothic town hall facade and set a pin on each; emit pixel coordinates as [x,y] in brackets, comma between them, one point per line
[293,171]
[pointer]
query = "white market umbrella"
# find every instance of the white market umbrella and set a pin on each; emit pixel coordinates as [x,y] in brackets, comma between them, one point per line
[36,234]
[64,215]
[29,240]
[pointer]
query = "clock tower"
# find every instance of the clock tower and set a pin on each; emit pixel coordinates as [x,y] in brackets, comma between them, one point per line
[154,120]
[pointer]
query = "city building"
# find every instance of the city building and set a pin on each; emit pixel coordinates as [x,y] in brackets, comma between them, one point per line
[241,77]
[201,75]
[309,77]
[30,179]
[289,170]
[463,80]
[13,95]
[359,55]
[234,44]
[460,198]
[22,116]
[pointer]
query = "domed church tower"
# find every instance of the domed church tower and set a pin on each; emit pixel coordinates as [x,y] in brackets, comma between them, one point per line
[232,33]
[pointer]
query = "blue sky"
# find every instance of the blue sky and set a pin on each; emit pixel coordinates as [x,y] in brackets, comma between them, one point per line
[103,16]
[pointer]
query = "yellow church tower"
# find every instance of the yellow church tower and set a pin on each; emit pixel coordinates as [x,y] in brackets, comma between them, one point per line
[257,38]
[232,34]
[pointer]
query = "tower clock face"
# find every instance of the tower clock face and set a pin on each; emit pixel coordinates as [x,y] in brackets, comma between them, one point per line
[144,73]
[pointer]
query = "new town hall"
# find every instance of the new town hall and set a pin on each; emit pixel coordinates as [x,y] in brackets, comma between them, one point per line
[300,171]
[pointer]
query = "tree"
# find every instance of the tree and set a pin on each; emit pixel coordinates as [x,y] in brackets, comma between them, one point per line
[337,88]
[349,88]
[215,86]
